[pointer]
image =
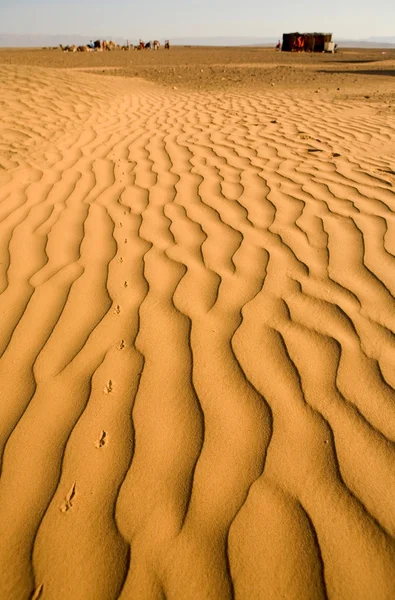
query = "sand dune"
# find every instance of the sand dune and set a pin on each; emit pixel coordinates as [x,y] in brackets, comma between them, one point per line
[197,336]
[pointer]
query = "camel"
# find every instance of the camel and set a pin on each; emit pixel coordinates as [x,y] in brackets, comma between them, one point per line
[156,45]
[96,46]
[72,48]
[109,45]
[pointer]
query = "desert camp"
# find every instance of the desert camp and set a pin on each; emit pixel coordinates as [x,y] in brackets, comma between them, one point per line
[307,42]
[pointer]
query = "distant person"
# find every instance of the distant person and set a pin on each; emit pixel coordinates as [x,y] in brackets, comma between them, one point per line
[278,47]
[91,44]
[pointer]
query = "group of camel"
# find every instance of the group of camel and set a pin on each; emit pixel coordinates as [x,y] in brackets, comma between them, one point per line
[105,45]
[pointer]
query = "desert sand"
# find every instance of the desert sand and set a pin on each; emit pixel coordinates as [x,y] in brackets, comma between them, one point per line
[197,331]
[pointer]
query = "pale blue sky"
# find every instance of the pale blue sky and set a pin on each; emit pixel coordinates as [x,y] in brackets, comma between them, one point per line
[176,18]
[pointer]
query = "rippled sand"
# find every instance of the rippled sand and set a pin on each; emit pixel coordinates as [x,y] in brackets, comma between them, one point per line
[197,344]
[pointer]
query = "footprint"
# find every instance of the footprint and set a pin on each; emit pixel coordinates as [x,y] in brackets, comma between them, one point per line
[117,309]
[121,259]
[120,224]
[125,241]
[121,345]
[37,592]
[125,284]
[67,504]
[108,388]
[102,440]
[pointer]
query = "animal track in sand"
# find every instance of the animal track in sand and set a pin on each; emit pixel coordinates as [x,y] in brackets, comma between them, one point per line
[121,345]
[117,310]
[102,440]
[303,136]
[108,387]
[68,499]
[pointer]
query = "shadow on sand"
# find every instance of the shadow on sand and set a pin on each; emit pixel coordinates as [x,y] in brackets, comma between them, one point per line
[386,72]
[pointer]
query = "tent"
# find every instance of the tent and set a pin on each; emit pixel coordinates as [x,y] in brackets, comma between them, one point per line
[306,42]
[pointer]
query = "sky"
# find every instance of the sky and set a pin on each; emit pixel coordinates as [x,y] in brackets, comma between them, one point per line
[197,18]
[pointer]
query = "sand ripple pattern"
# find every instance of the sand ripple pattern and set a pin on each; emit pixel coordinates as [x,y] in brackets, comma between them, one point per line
[197,319]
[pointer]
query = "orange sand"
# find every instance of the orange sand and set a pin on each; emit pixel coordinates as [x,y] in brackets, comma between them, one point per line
[197,322]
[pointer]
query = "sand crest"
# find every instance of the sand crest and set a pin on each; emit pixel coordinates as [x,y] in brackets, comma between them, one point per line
[197,343]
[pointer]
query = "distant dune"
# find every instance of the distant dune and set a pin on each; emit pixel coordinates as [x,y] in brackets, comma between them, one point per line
[44,40]
[39,41]
[365,44]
